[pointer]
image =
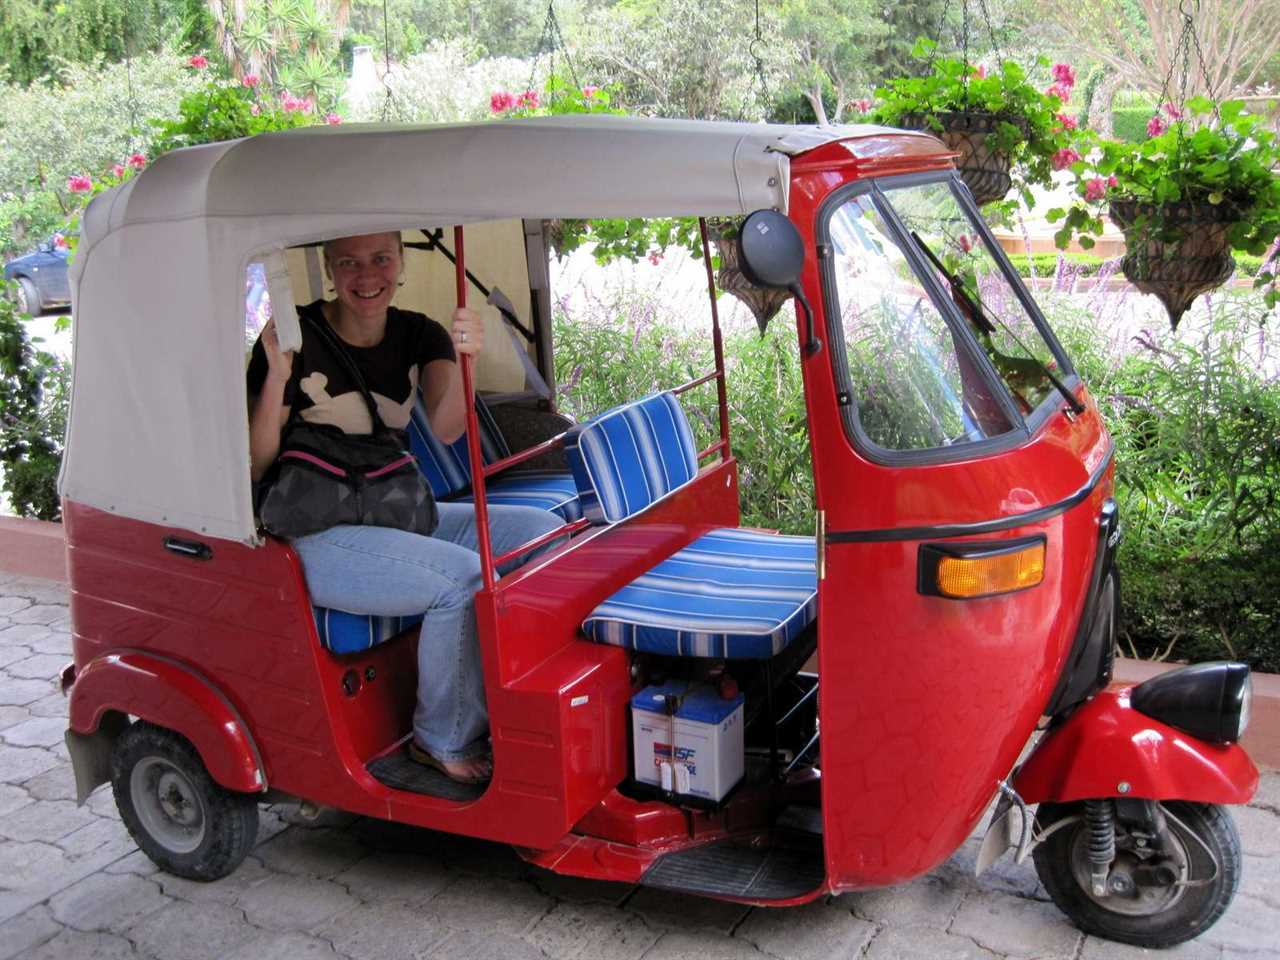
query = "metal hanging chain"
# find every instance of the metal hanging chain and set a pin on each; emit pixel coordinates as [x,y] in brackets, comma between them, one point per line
[552,39]
[754,49]
[991,31]
[386,68]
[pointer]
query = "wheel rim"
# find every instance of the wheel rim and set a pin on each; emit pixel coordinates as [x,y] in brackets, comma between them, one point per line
[20,297]
[1127,895]
[170,807]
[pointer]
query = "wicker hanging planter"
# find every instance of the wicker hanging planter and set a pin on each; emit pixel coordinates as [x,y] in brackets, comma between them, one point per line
[984,170]
[763,302]
[1176,251]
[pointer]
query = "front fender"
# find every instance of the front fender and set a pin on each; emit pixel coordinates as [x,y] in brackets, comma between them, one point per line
[1108,749]
[168,694]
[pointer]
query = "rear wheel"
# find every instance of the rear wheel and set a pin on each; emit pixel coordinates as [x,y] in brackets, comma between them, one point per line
[179,817]
[1153,899]
[26,296]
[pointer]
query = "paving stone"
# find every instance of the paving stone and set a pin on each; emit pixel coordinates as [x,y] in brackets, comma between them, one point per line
[1095,948]
[96,838]
[702,945]
[283,946]
[1268,794]
[39,666]
[52,704]
[1016,927]
[107,902]
[493,905]
[1259,831]
[663,910]
[36,732]
[12,798]
[26,932]
[475,945]
[22,633]
[580,889]
[1248,924]
[318,853]
[14,653]
[930,901]
[593,932]
[12,604]
[27,865]
[45,613]
[1003,876]
[10,715]
[102,801]
[469,855]
[189,931]
[404,877]
[813,932]
[55,642]
[70,945]
[286,902]
[56,783]
[38,590]
[19,764]
[894,943]
[226,891]
[137,863]
[48,821]
[384,931]
[22,693]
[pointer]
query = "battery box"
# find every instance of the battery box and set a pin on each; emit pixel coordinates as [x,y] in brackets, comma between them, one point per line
[697,751]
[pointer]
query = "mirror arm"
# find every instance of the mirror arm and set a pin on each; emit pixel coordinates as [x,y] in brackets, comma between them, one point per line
[812,344]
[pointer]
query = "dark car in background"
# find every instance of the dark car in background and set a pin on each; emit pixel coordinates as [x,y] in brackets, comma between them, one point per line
[40,278]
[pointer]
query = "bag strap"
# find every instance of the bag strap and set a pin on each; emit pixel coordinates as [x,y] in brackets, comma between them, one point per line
[321,326]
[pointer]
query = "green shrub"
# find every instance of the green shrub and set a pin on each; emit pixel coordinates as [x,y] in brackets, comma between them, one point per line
[1130,123]
[1046,264]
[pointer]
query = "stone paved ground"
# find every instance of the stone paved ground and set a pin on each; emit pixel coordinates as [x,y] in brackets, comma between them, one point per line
[72,885]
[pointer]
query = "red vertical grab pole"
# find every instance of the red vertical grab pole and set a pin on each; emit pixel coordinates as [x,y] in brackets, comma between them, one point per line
[717,342]
[473,427]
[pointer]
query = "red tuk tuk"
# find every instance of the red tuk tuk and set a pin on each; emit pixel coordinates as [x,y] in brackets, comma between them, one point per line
[655,712]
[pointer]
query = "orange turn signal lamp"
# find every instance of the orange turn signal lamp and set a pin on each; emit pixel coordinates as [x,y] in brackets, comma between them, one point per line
[967,571]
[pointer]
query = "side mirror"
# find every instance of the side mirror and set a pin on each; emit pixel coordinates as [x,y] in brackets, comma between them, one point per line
[45,247]
[771,254]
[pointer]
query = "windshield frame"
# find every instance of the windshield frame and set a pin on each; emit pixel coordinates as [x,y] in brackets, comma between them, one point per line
[1025,426]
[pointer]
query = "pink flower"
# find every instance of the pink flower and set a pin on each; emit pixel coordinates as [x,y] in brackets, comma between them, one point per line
[1112,181]
[292,104]
[1156,125]
[59,241]
[332,119]
[1064,75]
[965,242]
[980,71]
[590,90]
[1060,90]
[655,258]
[137,161]
[117,170]
[862,105]
[79,183]
[199,61]
[529,100]
[501,102]
[250,80]
[255,109]
[1095,189]
[1172,112]
[1064,158]
[1068,122]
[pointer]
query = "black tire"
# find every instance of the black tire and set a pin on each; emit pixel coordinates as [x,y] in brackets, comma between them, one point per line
[179,817]
[1155,915]
[26,295]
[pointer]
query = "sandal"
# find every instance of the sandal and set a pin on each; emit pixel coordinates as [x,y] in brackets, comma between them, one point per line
[418,755]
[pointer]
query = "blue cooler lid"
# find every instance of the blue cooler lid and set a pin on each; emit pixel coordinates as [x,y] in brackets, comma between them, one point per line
[700,702]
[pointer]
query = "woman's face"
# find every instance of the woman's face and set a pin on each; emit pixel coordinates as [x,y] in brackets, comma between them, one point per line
[365,272]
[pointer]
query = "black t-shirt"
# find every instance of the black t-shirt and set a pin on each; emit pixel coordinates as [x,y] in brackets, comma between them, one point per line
[322,391]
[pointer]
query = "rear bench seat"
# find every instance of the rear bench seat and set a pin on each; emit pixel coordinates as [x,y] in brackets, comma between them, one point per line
[731,593]
[447,469]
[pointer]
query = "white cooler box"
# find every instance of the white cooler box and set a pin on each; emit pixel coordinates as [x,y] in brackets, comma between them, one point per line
[707,759]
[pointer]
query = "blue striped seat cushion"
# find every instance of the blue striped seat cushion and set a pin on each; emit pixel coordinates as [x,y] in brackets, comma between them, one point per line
[447,467]
[628,457]
[342,632]
[549,490]
[731,593]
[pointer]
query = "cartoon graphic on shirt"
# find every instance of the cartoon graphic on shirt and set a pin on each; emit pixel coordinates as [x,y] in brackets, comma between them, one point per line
[348,410]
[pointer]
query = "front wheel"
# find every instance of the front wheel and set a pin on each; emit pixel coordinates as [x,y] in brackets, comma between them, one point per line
[27,297]
[1154,898]
[179,817]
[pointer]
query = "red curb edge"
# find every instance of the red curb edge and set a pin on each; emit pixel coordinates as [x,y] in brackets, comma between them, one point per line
[34,548]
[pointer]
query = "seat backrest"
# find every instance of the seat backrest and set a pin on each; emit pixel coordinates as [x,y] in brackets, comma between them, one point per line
[447,467]
[628,457]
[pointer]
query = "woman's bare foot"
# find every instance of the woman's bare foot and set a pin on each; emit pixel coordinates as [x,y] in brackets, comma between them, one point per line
[472,770]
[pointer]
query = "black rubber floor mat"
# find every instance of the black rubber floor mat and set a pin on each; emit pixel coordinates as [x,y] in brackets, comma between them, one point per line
[733,870]
[396,770]
[801,819]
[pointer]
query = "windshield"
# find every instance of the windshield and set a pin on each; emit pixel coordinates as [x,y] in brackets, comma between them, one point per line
[916,380]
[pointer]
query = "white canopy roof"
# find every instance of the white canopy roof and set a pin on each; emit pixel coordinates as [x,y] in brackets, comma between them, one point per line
[158,427]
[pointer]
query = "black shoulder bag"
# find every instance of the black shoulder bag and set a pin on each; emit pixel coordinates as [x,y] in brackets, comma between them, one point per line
[324,477]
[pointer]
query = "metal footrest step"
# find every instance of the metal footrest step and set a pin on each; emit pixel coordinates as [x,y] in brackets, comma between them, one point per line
[399,772]
[734,869]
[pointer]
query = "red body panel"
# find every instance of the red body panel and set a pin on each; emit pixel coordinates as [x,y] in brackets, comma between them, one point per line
[1107,742]
[167,693]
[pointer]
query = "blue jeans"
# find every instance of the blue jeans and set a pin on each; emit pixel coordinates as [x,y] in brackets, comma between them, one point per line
[379,571]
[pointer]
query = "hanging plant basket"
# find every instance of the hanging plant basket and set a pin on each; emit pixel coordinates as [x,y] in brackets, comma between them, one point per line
[1175,251]
[763,302]
[983,168]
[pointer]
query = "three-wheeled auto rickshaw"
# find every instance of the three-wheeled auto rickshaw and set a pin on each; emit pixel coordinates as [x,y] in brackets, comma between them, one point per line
[652,676]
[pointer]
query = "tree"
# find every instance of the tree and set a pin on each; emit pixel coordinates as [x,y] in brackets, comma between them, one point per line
[831,38]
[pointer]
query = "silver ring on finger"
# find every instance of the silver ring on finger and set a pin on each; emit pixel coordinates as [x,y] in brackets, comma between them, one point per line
[462,337]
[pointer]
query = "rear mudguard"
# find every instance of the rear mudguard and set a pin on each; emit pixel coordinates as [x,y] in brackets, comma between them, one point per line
[1108,749]
[168,694]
